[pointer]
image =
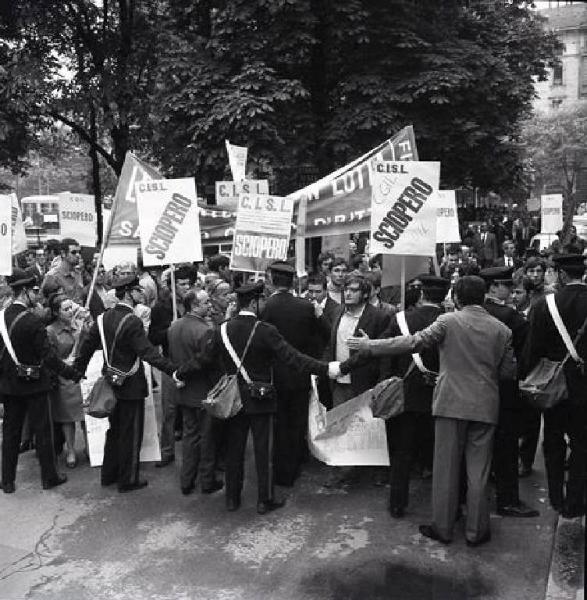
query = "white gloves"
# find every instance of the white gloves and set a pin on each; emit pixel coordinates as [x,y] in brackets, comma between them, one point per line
[334,369]
[178,382]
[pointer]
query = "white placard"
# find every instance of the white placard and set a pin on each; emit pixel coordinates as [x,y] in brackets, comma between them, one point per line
[5,235]
[168,221]
[77,218]
[347,435]
[237,159]
[18,233]
[552,213]
[447,225]
[403,207]
[263,227]
[227,192]
[97,428]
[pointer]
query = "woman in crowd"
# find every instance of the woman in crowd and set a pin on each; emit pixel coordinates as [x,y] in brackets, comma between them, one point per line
[66,397]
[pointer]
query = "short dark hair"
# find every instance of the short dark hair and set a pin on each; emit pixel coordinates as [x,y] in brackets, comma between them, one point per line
[374,278]
[66,243]
[435,295]
[470,290]
[377,259]
[324,256]
[317,279]
[218,261]
[339,260]
[280,279]
[364,283]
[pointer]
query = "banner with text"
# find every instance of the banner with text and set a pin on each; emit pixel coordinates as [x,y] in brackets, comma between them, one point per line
[552,213]
[18,233]
[77,218]
[404,207]
[227,192]
[168,221]
[447,225]
[237,160]
[5,235]
[341,202]
[263,227]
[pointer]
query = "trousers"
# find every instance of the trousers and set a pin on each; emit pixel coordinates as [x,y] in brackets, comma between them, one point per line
[168,414]
[505,453]
[197,448]
[38,409]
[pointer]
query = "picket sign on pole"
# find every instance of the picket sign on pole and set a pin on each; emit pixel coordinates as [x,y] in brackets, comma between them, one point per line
[173,293]
[403,284]
[5,238]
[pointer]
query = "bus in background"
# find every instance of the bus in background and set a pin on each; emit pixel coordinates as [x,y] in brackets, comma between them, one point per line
[40,215]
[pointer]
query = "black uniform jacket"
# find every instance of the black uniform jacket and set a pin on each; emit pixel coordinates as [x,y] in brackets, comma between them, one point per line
[131,342]
[268,348]
[373,322]
[417,393]
[161,319]
[31,346]
[514,320]
[543,339]
[296,321]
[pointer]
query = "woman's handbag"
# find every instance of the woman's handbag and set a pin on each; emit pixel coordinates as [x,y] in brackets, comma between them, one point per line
[101,399]
[546,384]
[224,399]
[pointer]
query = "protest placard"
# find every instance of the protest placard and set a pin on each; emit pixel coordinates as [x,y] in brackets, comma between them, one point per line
[263,227]
[552,213]
[97,428]
[18,233]
[341,201]
[347,435]
[227,192]
[77,218]
[5,235]
[447,225]
[403,207]
[237,159]
[169,221]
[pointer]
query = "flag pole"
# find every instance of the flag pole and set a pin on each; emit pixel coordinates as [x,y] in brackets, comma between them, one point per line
[173,293]
[403,283]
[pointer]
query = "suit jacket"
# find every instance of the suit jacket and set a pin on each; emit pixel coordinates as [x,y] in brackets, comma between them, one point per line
[475,355]
[161,319]
[544,340]
[500,262]
[373,322]
[296,321]
[417,393]
[514,320]
[187,338]
[32,347]
[131,342]
[331,308]
[488,249]
[268,347]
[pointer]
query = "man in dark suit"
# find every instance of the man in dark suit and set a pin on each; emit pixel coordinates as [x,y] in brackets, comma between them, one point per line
[127,347]
[488,249]
[569,417]
[414,427]
[506,452]
[296,321]
[28,395]
[509,258]
[267,348]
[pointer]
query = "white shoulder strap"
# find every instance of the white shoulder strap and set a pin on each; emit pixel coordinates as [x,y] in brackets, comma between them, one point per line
[233,354]
[6,338]
[403,326]
[100,323]
[556,317]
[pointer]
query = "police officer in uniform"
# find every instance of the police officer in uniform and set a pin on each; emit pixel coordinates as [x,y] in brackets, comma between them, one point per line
[267,347]
[505,450]
[125,436]
[28,395]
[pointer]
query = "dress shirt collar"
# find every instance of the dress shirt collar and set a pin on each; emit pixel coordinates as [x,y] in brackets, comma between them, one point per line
[246,313]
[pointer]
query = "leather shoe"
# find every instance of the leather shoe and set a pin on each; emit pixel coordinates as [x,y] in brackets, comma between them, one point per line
[107,482]
[26,446]
[186,491]
[61,479]
[520,510]
[482,540]
[397,512]
[8,488]
[429,532]
[131,487]
[233,504]
[571,511]
[264,507]
[216,485]
[164,462]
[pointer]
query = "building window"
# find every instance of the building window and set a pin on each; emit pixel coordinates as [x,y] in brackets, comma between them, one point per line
[557,75]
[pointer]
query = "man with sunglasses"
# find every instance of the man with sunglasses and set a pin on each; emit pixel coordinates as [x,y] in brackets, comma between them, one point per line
[64,276]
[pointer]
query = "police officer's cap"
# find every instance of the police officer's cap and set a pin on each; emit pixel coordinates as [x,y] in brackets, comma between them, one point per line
[20,278]
[280,266]
[250,289]
[432,282]
[573,264]
[497,275]
[127,281]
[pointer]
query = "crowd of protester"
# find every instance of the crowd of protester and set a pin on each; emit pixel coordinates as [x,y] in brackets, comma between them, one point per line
[320,323]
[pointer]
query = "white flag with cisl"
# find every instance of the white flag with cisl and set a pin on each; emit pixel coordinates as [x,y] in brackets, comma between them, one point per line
[262,230]
[447,225]
[169,221]
[5,235]
[552,213]
[404,205]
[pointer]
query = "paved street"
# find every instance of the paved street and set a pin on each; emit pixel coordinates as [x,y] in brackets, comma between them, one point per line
[82,541]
